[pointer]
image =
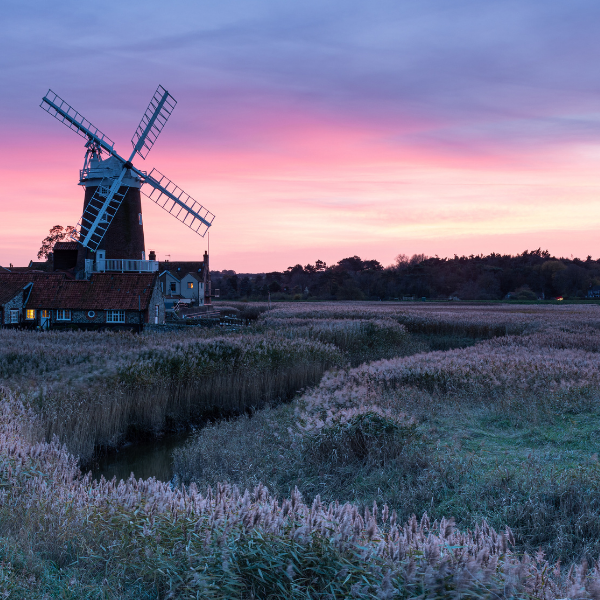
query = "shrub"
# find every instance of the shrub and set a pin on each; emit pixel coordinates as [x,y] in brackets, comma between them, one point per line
[357,434]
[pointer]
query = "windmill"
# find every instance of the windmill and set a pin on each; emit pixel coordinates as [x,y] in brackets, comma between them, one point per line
[112,216]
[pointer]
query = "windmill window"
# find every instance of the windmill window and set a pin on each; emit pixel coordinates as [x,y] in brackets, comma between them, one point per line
[190,285]
[63,315]
[140,217]
[14,315]
[91,314]
[30,314]
[115,316]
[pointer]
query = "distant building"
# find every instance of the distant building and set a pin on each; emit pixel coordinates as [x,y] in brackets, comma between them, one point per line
[192,287]
[594,292]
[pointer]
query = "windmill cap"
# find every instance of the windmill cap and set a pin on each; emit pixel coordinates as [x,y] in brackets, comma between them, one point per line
[110,167]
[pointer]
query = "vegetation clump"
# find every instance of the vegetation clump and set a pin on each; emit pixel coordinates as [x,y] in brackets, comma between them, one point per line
[495,444]
[64,535]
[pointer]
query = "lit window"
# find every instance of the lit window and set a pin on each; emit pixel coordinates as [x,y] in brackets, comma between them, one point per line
[30,314]
[190,285]
[115,316]
[45,314]
[63,315]
[14,315]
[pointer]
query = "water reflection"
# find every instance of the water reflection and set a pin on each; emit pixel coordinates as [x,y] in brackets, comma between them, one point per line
[149,458]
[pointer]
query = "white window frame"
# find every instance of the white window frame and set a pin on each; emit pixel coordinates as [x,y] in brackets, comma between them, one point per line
[63,314]
[45,314]
[115,316]
[14,315]
[190,285]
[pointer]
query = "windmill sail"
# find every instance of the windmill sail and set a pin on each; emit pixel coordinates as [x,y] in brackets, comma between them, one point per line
[175,201]
[65,113]
[110,193]
[157,114]
[100,211]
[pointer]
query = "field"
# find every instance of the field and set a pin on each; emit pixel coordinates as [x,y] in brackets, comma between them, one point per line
[333,425]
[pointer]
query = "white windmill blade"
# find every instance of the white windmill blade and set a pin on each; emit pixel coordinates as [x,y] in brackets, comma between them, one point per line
[65,113]
[157,114]
[100,211]
[176,202]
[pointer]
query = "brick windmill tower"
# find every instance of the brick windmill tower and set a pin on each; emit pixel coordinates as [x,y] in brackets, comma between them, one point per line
[111,226]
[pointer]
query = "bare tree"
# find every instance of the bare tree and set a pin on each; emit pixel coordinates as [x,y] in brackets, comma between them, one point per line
[57,234]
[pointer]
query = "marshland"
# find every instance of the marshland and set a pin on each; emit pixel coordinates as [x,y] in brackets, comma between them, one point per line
[332,450]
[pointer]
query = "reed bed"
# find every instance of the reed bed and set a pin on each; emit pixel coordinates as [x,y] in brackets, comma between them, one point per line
[505,430]
[361,340]
[65,535]
[91,390]
[477,321]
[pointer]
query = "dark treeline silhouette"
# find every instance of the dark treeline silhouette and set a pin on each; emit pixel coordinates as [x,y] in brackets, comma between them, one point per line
[526,276]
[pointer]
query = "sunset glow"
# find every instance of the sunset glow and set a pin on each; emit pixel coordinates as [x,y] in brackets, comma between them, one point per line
[318,133]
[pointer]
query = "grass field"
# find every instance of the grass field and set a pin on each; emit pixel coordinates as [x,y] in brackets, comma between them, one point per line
[483,421]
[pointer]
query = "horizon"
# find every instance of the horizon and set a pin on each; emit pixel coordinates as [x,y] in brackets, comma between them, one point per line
[316,132]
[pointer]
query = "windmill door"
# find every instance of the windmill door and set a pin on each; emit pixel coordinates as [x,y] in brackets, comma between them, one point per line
[45,319]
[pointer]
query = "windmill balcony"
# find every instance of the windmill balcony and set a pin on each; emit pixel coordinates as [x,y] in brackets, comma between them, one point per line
[121,266]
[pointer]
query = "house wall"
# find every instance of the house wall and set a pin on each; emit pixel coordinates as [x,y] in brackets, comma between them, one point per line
[196,292]
[166,280]
[156,298]
[79,318]
[16,302]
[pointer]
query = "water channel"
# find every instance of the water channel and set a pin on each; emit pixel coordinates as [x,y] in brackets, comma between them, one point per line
[144,458]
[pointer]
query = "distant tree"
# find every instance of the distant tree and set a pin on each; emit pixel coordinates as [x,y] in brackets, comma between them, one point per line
[320,265]
[353,263]
[372,265]
[246,286]
[57,234]
[403,261]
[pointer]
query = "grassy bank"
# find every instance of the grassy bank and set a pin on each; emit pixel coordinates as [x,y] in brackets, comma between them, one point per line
[506,430]
[89,390]
[502,432]
[64,536]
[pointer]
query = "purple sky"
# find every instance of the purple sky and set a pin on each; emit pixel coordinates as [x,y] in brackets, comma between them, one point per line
[317,130]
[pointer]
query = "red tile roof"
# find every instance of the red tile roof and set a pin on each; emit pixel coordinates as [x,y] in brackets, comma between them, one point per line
[104,291]
[65,246]
[11,283]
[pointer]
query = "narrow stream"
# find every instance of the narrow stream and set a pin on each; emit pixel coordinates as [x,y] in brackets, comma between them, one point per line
[147,458]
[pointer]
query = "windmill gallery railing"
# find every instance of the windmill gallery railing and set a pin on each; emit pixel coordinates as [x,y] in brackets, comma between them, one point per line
[121,266]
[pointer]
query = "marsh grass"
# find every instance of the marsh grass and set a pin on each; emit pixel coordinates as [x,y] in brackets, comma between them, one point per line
[361,340]
[63,535]
[508,430]
[109,385]
[505,432]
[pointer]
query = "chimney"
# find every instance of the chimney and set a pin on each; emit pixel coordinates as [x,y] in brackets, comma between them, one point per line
[152,255]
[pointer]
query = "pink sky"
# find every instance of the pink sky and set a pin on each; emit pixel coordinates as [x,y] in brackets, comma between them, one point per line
[330,141]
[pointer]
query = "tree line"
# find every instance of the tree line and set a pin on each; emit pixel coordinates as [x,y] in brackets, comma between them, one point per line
[527,276]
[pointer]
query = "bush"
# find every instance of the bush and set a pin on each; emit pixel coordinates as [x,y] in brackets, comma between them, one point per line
[364,434]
